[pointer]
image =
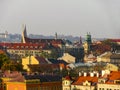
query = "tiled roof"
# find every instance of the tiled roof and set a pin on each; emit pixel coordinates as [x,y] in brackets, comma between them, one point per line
[82,79]
[54,61]
[41,60]
[114,75]
[22,46]
[68,78]
[44,78]
[54,41]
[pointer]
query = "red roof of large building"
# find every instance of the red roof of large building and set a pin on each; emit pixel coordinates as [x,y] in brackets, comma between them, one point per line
[27,46]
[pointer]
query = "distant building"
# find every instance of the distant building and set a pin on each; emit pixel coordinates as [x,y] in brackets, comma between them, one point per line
[54,42]
[68,58]
[105,57]
[115,59]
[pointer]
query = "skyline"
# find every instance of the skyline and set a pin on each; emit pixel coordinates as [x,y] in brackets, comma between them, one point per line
[66,17]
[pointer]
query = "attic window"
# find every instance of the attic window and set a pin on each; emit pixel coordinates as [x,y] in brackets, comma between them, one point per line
[17,46]
[26,47]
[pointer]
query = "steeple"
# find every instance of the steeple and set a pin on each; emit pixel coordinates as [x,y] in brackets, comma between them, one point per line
[24,33]
[24,30]
[56,36]
[80,40]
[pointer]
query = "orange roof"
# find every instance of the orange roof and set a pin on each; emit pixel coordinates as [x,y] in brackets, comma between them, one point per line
[114,75]
[82,79]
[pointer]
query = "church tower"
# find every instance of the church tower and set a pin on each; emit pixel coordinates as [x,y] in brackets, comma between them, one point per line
[24,33]
[87,44]
[56,37]
[88,38]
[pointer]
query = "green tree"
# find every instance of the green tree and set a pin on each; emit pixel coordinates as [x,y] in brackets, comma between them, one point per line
[3,59]
[11,65]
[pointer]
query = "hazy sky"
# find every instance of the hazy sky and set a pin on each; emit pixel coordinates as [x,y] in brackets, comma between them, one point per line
[66,17]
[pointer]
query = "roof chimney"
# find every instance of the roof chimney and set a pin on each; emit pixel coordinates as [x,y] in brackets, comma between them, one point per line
[91,74]
[85,74]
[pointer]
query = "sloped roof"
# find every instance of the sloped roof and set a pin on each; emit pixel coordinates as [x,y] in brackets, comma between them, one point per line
[55,41]
[82,79]
[41,60]
[54,61]
[114,75]
[44,78]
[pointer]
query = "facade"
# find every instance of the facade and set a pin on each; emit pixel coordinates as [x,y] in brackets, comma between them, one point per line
[19,50]
[66,83]
[115,59]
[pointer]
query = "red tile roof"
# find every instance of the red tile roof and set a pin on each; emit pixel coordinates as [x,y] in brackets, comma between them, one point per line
[27,46]
[115,40]
[82,79]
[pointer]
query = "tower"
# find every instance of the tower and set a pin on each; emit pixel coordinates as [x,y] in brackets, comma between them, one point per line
[88,38]
[56,36]
[87,44]
[24,33]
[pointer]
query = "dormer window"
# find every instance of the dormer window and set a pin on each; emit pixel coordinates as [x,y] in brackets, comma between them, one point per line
[26,47]
[31,46]
[17,46]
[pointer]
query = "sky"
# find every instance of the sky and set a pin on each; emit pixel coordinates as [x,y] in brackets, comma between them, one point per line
[66,17]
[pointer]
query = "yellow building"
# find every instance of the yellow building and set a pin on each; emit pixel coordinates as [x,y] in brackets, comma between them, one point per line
[104,57]
[68,58]
[32,60]
[111,67]
[17,81]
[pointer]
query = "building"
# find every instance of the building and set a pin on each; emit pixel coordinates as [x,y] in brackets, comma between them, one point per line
[54,42]
[105,57]
[85,81]
[88,43]
[66,83]
[109,81]
[17,81]
[115,59]
[32,60]
[68,58]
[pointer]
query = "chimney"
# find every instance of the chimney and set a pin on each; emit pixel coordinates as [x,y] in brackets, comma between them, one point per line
[85,74]
[91,74]
[97,74]
[80,74]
